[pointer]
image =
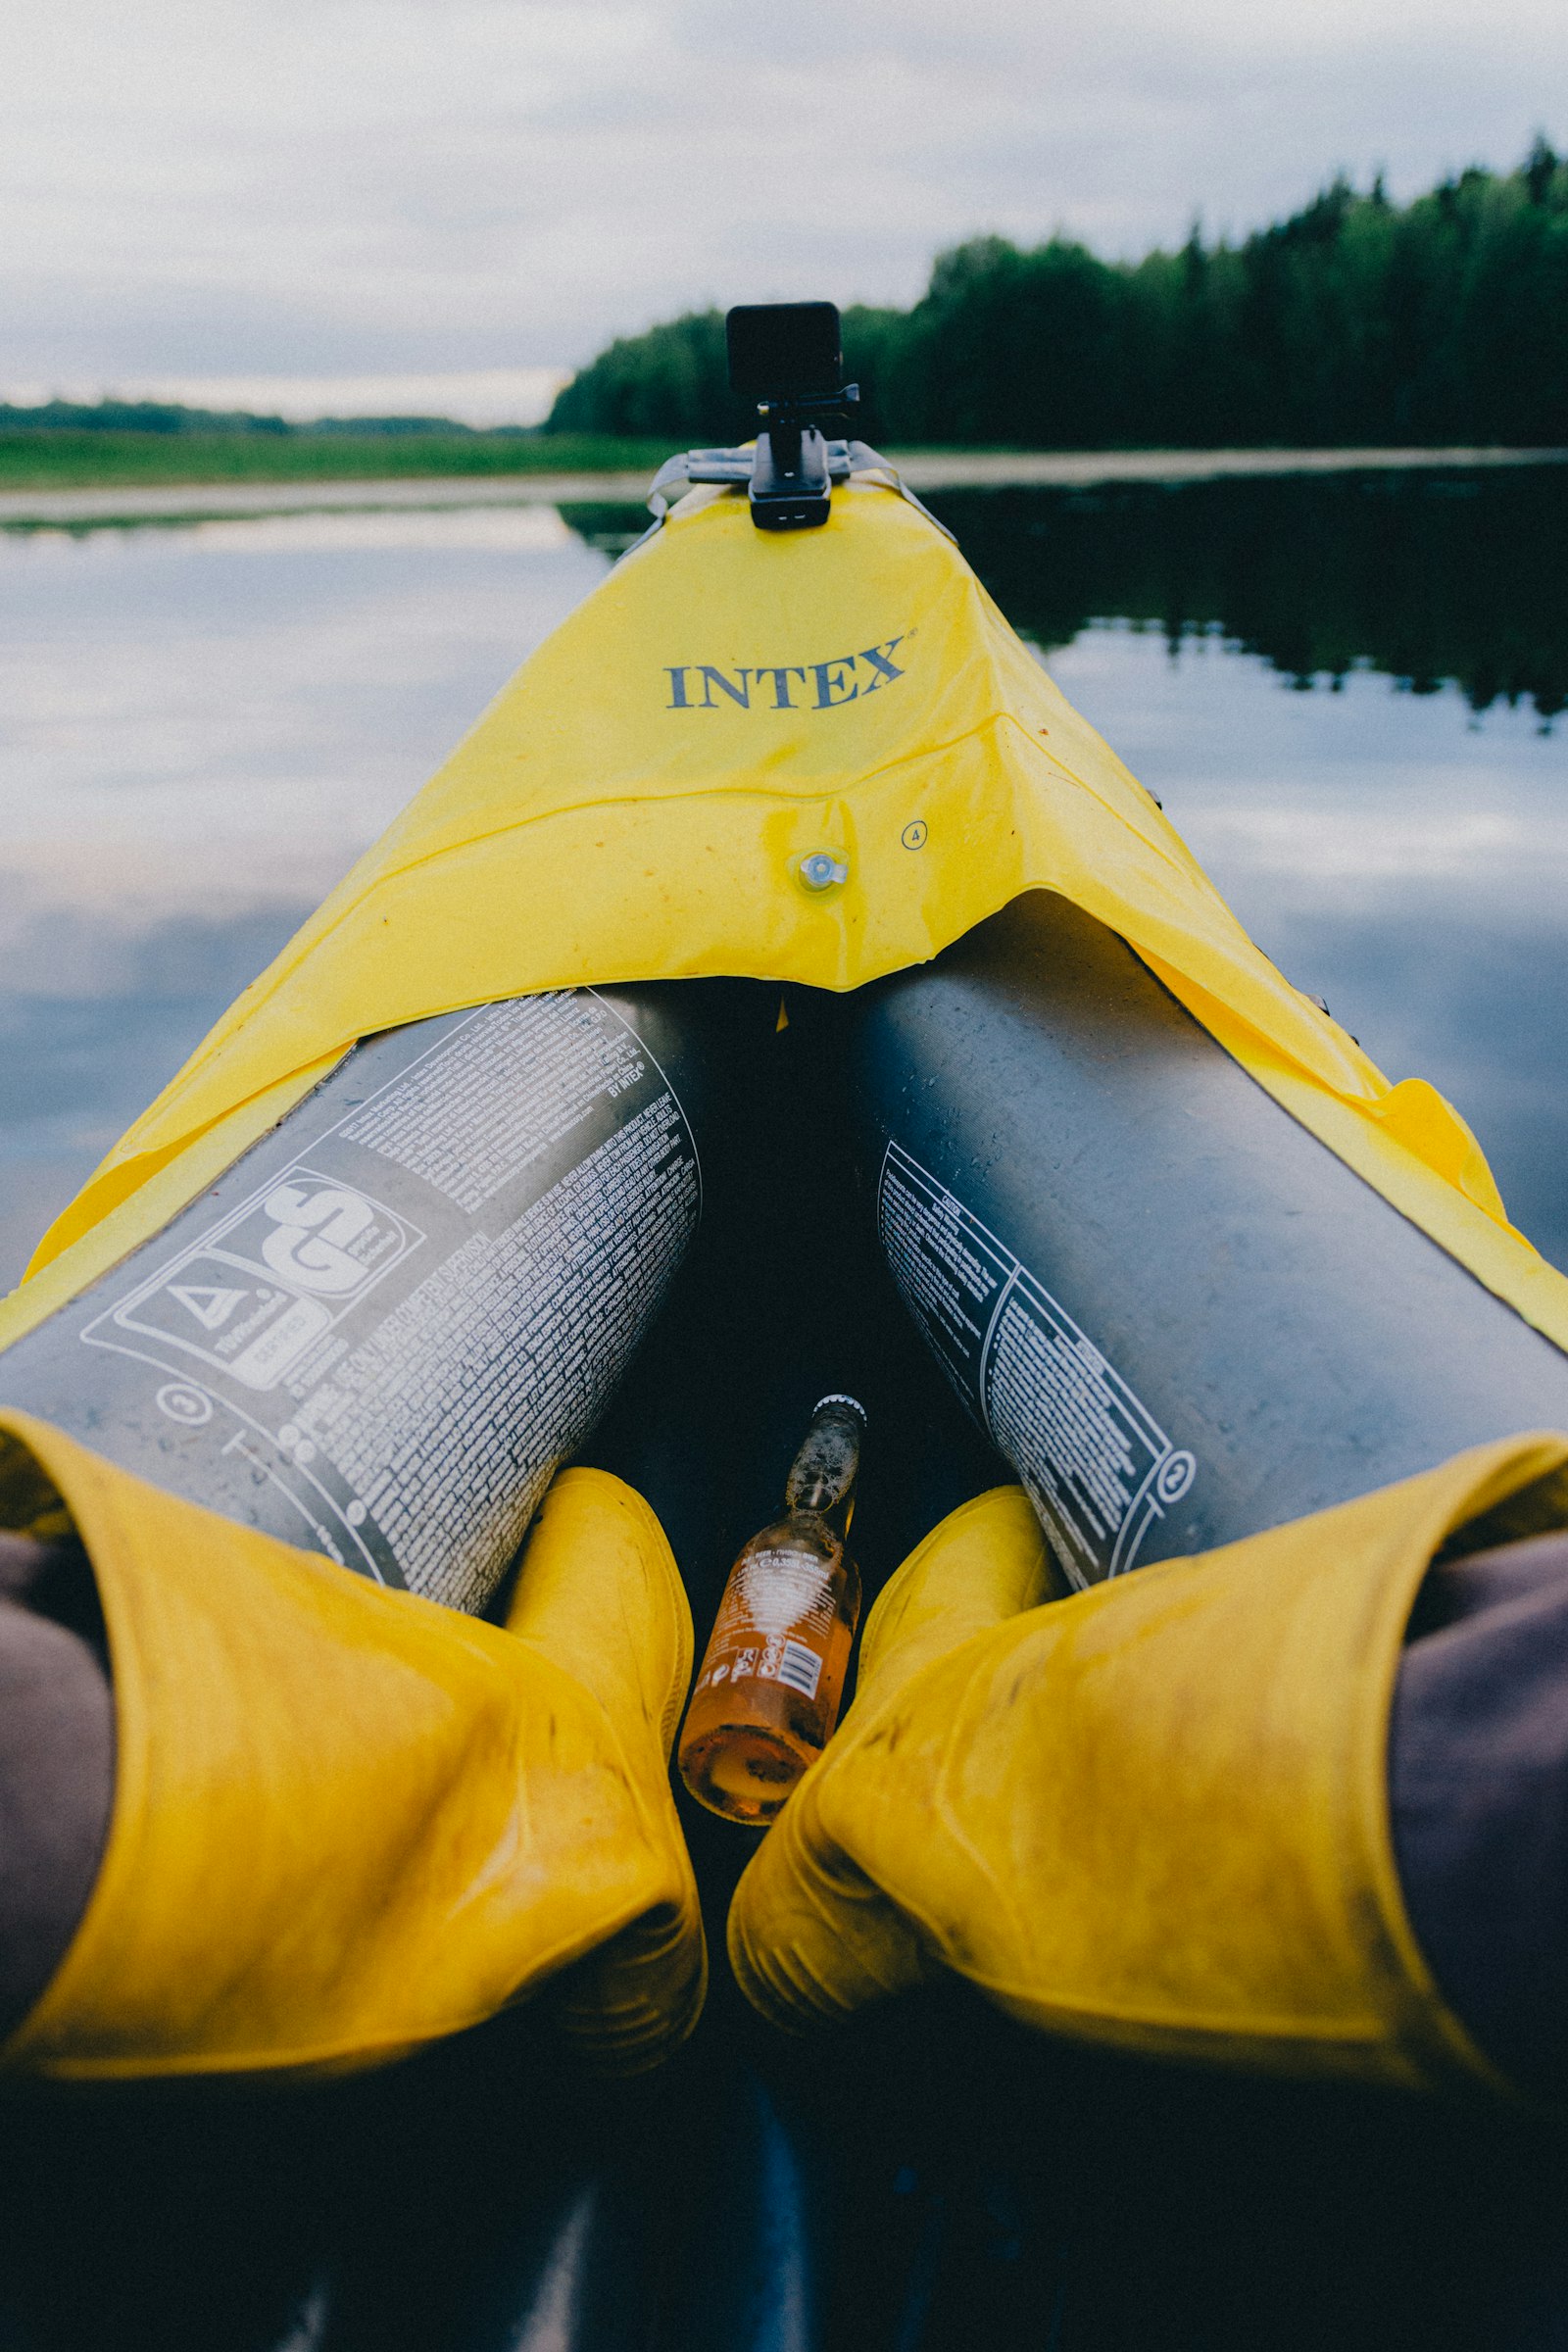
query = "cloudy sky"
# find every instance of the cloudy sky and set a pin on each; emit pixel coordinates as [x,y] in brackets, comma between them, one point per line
[241,188]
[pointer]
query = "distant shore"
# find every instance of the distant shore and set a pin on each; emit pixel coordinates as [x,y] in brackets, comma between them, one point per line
[103,499]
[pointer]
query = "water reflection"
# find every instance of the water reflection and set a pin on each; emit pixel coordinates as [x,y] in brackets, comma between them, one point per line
[1433,578]
[203,724]
[1407,865]
[1398,839]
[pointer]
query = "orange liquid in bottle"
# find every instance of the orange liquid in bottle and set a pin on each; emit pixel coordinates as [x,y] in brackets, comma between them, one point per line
[771,1682]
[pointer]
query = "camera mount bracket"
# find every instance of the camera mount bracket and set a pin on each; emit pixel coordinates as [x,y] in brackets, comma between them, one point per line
[791,480]
[786,357]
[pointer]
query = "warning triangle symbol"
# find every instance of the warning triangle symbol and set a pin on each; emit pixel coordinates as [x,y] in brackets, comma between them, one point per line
[211,1307]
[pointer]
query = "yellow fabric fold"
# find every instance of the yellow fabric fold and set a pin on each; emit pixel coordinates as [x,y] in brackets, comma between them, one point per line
[346,1820]
[1154,1815]
[640,799]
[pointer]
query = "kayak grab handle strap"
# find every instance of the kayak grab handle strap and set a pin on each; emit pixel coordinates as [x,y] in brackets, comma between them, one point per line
[755,465]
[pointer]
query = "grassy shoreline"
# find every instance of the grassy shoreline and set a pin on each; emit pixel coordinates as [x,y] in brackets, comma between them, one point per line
[76,458]
[66,473]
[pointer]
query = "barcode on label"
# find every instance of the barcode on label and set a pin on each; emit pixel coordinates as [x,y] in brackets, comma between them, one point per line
[800,1668]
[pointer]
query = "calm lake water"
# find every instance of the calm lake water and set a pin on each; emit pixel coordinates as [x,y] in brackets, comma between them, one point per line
[1345,692]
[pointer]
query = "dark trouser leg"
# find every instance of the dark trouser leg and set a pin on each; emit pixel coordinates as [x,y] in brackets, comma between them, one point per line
[56,1760]
[1478,1782]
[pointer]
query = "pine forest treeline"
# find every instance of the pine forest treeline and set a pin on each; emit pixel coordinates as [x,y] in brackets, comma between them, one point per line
[1355,322]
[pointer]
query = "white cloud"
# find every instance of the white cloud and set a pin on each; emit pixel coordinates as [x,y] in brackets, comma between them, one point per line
[244,186]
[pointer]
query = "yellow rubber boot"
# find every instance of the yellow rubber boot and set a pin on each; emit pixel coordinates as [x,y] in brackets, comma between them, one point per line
[600,1594]
[1154,1815]
[347,1821]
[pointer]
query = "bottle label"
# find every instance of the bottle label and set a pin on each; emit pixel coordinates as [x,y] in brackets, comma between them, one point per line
[800,1668]
[773,1623]
[784,1661]
[775,1590]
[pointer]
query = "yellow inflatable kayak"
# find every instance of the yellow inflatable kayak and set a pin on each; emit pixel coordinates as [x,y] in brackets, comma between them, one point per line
[781,989]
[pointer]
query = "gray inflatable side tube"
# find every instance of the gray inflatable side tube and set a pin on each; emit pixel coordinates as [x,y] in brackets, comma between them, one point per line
[383,1328]
[1180,1317]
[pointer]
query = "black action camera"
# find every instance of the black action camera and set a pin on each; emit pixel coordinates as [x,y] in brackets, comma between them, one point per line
[785,351]
[786,356]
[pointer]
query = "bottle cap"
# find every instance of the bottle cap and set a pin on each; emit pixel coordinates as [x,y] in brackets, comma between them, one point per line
[854,1403]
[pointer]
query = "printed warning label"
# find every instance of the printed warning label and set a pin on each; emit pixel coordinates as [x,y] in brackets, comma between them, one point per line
[276,1276]
[1097,1464]
[508,1350]
[389,1323]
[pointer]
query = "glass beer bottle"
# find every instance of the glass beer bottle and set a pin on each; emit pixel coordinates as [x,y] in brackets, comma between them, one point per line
[767,1698]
